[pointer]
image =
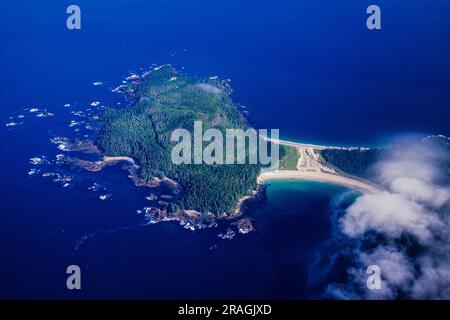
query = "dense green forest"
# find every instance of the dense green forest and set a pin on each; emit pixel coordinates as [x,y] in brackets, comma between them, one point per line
[288,157]
[166,100]
[354,162]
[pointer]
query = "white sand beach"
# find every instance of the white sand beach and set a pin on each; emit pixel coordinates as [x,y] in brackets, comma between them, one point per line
[107,159]
[318,176]
[310,167]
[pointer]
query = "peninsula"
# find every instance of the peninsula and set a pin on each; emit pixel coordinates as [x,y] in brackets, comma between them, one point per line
[311,165]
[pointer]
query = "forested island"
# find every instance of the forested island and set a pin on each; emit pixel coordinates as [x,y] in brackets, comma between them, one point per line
[163,101]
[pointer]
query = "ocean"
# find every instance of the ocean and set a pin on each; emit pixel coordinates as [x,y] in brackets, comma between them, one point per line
[308,68]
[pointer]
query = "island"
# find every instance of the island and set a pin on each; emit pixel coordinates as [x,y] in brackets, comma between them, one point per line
[164,100]
[139,135]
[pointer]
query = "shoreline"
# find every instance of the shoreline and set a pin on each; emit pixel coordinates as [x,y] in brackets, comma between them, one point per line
[107,159]
[319,177]
[312,146]
[311,168]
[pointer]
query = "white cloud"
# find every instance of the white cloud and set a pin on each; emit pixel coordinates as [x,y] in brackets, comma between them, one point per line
[421,191]
[416,202]
[391,214]
[434,279]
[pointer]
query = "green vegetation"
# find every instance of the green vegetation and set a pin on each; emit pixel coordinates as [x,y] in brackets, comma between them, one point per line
[164,101]
[354,162]
[288,157]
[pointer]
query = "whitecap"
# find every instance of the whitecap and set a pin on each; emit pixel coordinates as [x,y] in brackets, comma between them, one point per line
[104,196]
[36,160]
[32,172]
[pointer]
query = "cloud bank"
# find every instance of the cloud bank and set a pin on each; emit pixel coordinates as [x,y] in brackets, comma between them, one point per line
[405,230]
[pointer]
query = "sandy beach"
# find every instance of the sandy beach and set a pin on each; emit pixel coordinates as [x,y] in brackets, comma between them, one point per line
[318,176]
[310,167]
[107,159]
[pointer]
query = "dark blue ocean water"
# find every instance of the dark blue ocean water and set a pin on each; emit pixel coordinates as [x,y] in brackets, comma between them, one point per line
[309,68]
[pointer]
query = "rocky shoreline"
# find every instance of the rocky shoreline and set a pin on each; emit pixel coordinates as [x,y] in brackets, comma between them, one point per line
[192,219]
[189,219]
